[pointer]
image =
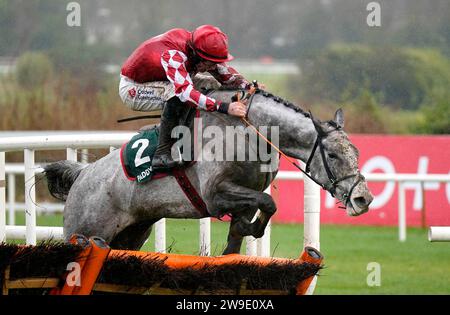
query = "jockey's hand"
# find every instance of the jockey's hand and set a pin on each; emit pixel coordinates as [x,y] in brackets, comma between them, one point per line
[237,109]
[261,86]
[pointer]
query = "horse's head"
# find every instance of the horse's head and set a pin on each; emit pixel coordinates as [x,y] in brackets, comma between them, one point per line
[333,163]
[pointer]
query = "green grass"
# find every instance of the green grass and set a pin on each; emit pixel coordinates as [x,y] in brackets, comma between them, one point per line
[413,267]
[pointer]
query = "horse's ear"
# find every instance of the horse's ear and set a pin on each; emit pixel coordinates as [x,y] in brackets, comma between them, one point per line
[339,117]
[318,125]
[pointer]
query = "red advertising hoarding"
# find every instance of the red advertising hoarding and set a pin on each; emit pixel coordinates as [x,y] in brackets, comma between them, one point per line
[383,154]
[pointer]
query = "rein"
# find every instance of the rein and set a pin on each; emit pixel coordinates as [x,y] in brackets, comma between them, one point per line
[331,177]
[138,117]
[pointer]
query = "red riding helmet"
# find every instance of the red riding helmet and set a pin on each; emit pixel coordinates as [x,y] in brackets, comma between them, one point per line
[210,43]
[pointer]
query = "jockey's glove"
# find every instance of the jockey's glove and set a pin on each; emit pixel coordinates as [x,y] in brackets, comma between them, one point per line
[223,107]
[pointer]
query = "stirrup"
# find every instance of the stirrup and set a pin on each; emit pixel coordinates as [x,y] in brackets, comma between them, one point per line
[164,163]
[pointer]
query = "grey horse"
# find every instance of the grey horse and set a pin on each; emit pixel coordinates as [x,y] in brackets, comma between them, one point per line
[101,201]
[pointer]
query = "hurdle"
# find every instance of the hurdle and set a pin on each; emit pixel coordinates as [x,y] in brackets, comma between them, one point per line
[439,234]
[101,269]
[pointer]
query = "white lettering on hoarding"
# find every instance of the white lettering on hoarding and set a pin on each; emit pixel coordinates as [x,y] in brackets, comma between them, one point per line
[447,191]
[416,186]
[386,166]
[375,163]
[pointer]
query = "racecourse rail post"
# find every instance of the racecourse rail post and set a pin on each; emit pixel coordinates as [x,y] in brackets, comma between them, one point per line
[71,154]
[84,156]
[401,212]
[205,237]
[261,246]
[311,230]
[160,236]
[251,247]
[11,199]
[2,198]
[30,197]
[264,241]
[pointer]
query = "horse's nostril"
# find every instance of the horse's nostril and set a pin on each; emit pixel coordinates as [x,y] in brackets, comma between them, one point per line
[361,202]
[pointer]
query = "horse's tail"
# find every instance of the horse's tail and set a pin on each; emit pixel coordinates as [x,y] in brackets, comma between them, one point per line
[60,177]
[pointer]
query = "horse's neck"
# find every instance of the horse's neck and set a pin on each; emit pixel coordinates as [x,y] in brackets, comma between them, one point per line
[296,131]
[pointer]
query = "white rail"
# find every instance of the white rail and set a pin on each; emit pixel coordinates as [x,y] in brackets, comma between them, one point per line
[401,179]
[254,247]
[439,234]
[2,197]
[29,144]
[62,141]
[41,232]
[311,216]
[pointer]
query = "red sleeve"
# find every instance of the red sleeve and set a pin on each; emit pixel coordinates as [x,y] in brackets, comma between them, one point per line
[229,77]
[173,62]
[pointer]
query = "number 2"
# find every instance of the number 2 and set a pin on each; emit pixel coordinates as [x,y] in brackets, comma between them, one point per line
[139,160]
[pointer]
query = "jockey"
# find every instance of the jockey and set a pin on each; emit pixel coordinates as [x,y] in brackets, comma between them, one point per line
[159,74]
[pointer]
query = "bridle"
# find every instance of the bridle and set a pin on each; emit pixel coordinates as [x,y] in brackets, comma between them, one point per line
[334,182]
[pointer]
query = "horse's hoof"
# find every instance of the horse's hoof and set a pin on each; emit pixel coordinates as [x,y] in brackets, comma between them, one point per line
[241,228]
[258,234]
[258,230]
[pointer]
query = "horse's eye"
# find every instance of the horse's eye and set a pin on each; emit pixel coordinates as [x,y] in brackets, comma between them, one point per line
[332,156]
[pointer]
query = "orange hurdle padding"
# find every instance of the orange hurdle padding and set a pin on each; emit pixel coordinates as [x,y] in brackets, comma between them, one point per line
[177,261]
[313,256]
[81,240]
[182,261]
[93,266]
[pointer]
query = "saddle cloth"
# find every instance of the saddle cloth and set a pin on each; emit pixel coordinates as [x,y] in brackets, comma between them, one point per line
[136,155]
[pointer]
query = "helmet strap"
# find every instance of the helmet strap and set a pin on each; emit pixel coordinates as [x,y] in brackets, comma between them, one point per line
[193,56]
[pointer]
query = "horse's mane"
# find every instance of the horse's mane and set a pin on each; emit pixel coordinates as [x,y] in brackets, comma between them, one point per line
[265,94]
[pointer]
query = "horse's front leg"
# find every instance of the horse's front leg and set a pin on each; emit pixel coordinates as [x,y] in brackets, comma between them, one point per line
[242,203]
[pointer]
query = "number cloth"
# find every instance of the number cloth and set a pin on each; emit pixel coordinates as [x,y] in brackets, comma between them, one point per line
[136,155]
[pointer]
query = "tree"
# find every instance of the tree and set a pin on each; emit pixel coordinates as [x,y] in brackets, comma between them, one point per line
[399,77]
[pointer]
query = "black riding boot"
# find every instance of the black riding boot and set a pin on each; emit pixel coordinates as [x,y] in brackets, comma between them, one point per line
[162,160]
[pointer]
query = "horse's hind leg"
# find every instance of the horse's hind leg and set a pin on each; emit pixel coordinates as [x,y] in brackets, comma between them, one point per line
[133,236]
